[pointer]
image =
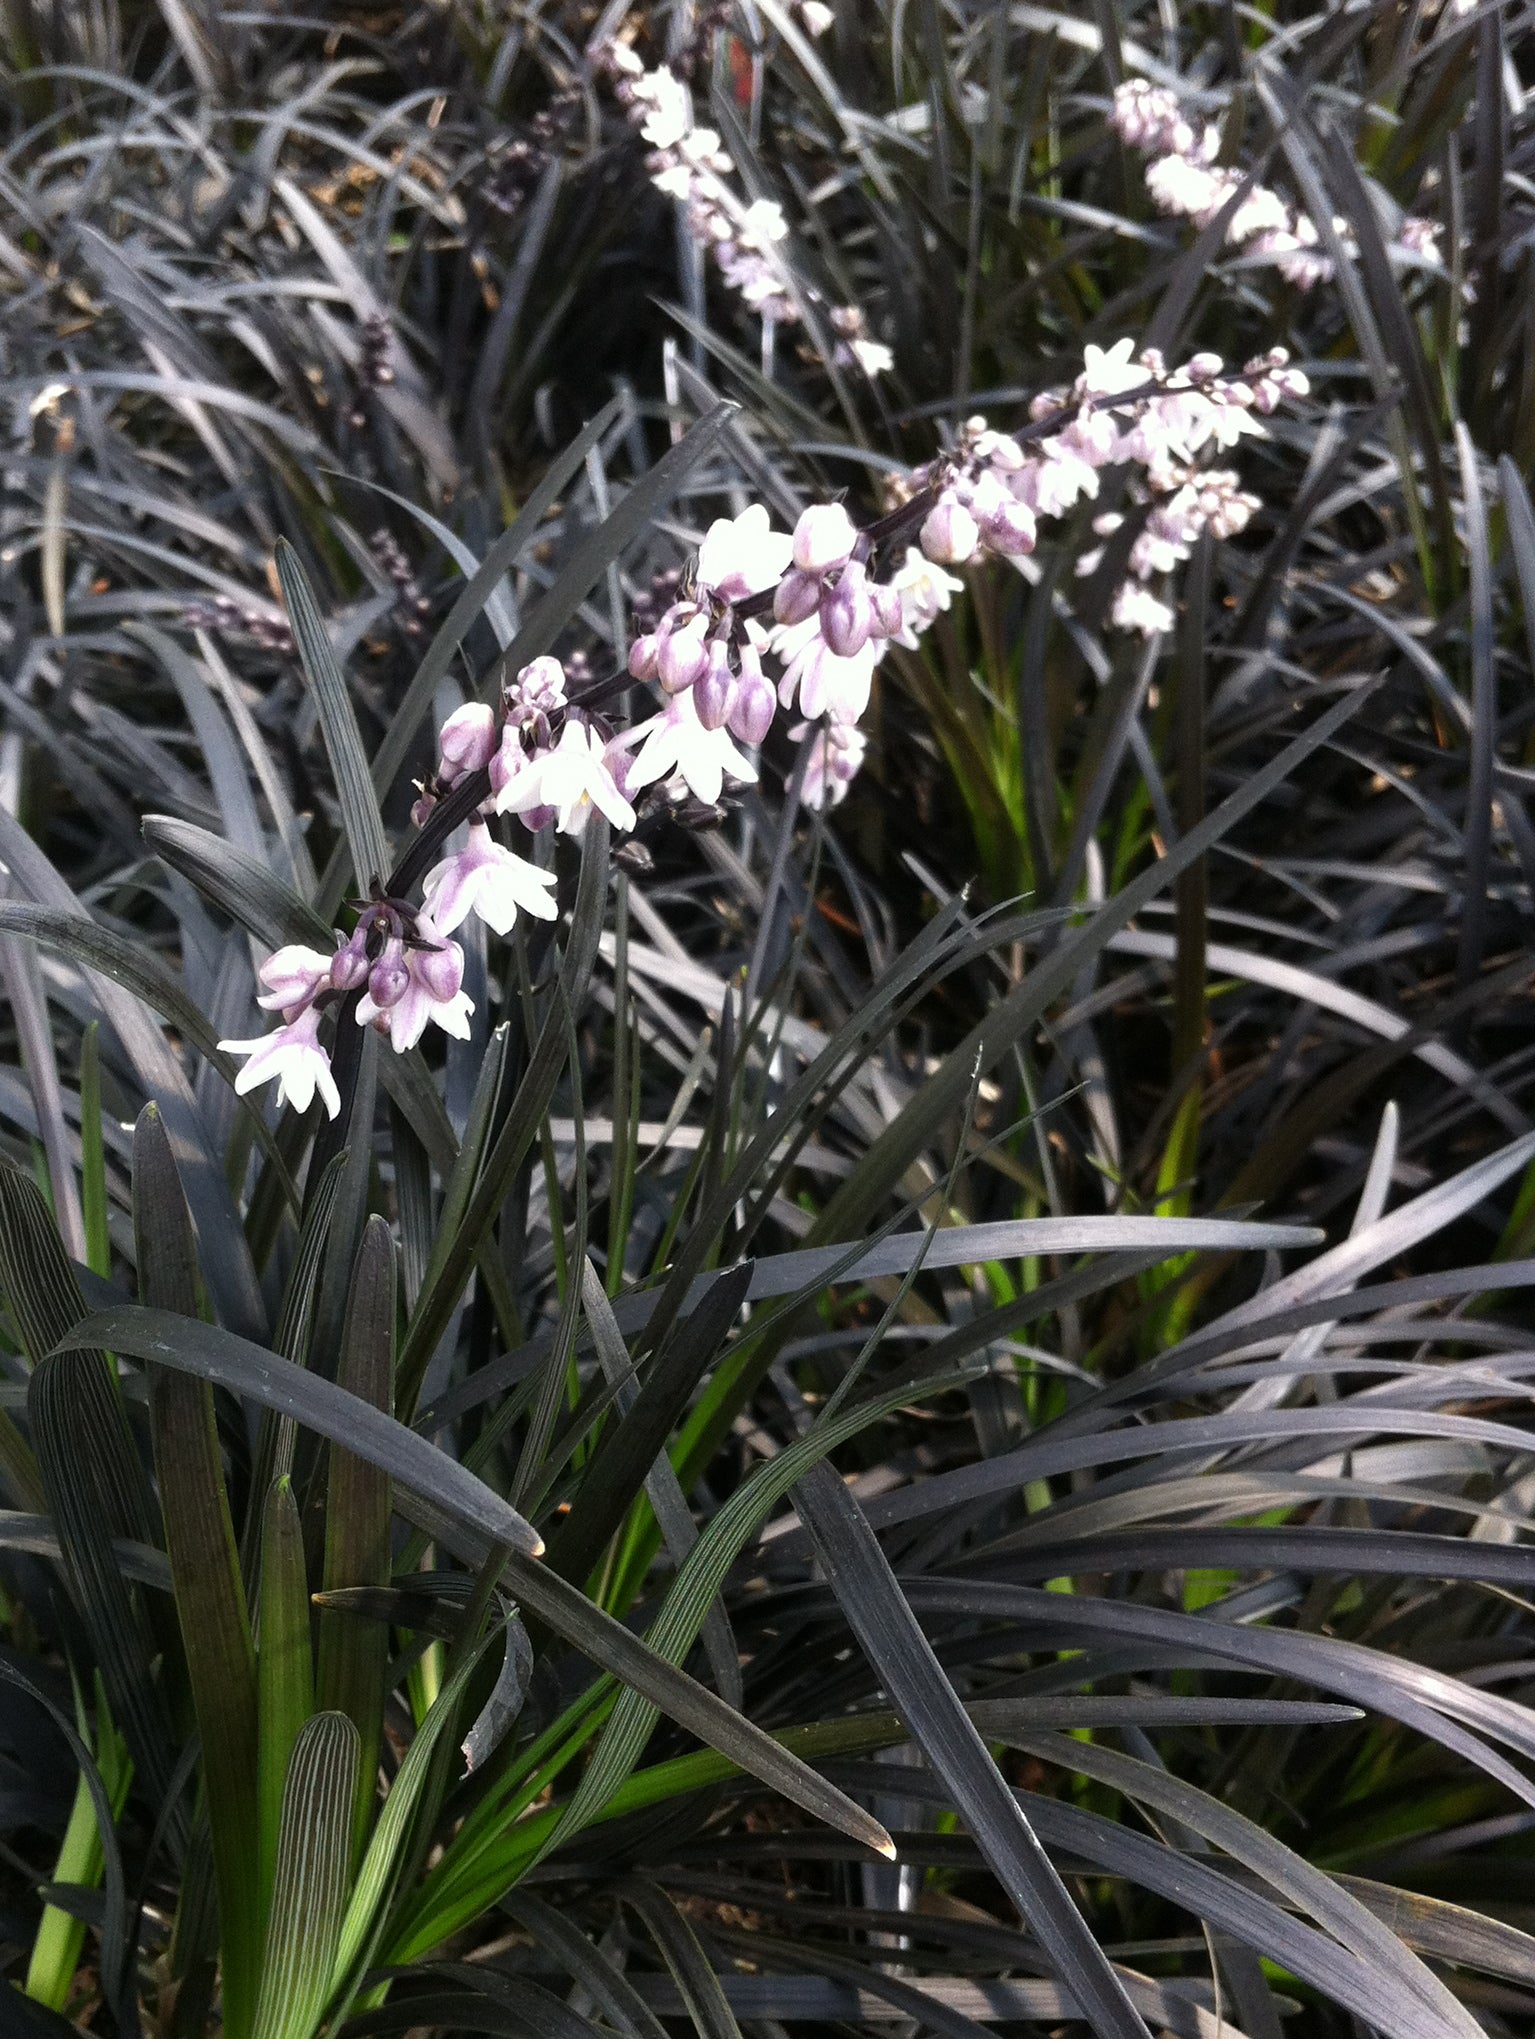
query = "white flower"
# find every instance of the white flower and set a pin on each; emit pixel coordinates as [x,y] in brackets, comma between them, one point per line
[1111,372]
[703,758]
[1052,484]
[823,538]
[925,590]
[742,556]
[1233,421]
[825,683]
[762,224]
[699,145]
[433,992]
[668,116]
[872,356]
[816,15]
[1180,186]
[294,1058]
[1261,212]
[292,976]
[486,879]
[1136,608]
[675,181]
[573,778]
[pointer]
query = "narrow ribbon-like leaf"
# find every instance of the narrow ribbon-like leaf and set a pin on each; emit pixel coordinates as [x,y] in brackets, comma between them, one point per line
[205,1570]
[360,818]
[904,1662]
[284,1666]
[354,1655]
[215,1355]
[314,1853]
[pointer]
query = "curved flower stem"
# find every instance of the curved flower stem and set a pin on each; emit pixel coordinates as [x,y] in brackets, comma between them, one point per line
[456,806]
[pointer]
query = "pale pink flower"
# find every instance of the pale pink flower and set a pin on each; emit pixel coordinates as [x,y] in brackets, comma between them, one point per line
[486,879]
[1053,484]
[823,538]
[835,757]
[949,533]
[925,590]
[293,1059]
[743,555]
[292,976]
[677,742]
[824,683]
[573,779]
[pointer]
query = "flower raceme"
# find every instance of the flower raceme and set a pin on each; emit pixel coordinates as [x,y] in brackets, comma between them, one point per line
[822,603]
[691,165]
[1184,177]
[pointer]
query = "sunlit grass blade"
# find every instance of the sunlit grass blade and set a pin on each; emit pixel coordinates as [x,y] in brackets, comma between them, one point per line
[309,1893]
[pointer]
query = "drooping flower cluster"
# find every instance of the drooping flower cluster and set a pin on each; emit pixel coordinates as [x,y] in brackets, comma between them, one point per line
[761,620]
[744,239]
[1184,177]
[407,972]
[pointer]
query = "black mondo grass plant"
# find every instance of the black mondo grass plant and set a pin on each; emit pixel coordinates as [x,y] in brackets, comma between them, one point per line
[843,697]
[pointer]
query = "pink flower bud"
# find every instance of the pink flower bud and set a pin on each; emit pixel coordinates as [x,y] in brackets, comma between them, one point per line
[440,969]
[467,740]
[508,760]
[824,538]
[349,965]
[751,713]
[682,657]
[889,616]
[620,764]
[389,979]
[797,596]
[949,535]
[541,680]
[847,614]
[642,658]
[714,690]
[535,818]
[1009,529]
[421,807]
[290,978]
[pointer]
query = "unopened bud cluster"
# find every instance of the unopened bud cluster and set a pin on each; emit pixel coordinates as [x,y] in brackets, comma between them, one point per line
[266,627]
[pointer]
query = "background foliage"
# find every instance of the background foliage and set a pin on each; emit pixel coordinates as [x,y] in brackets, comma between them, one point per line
[1171,1612]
